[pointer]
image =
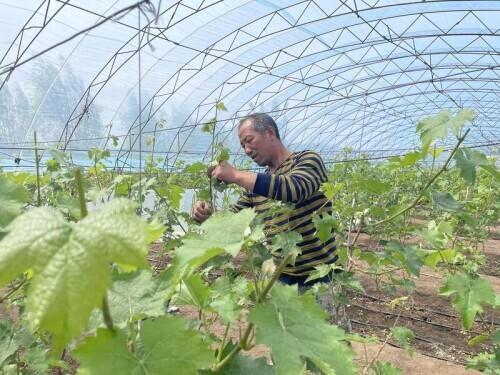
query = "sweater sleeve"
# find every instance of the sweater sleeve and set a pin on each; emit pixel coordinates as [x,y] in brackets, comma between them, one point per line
[304,179]
[244,201]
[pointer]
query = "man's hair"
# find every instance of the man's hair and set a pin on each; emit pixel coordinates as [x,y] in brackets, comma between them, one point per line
[261,122]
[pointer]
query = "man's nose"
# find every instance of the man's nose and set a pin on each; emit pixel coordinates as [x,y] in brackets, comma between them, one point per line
[248,150]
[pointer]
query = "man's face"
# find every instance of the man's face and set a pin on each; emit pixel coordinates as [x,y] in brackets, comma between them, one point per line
[257,146]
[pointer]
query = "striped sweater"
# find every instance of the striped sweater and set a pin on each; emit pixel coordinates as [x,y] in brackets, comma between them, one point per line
[296,181]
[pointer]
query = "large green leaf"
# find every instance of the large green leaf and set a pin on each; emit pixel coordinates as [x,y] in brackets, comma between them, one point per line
[221,232]
[295,329]
[70,262]
[167,347]
[468,295]
[406,256]
[445,202]
[134,296]
[285,243]
[436,127]
[325,225]
[12,199]
[374,185]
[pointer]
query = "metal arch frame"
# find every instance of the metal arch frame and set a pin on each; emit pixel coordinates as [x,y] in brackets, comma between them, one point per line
[110,68]
[30,24]
[445,53]
[202,103]
[479,35]
[419,14]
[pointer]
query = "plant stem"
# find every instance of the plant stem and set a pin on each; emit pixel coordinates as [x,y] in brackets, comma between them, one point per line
[13,290]
[223,343]
[37,162]
[427,185]
[107,314]
[243,343]
[81,192]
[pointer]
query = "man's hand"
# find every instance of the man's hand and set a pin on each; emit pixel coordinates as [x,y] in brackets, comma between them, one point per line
[230,175]
[201,211]
[224,172]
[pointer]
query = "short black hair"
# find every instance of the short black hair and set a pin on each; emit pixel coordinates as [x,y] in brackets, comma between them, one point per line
[261,122]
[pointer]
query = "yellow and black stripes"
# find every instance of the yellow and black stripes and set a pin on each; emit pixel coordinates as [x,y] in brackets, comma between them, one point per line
[296,181]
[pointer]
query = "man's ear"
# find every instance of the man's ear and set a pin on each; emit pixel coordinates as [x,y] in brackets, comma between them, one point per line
[270,132]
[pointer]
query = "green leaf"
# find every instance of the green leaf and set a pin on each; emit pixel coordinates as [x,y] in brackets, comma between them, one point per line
[222,154]
[468,296]
[386,368]
[492,170]
[331,190]
[285,243]
[325,225]
[436,127]
[489,363]
[9,341]
[70,262]
[167,347]
[436,256]
[220,106]
[209,126]
[406,256]
[12,199]
[294,328]
[229,296]
[479,339]
[445,202]
[404,336]
[374,186]
[134,296]
[222,231]
[467,167]
[348,280]
[194,291]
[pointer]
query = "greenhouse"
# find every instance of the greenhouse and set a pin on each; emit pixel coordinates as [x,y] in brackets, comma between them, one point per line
[249,187]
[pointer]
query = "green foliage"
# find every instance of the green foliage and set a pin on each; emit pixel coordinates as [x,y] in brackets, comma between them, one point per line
[285,243]
[13,197]
[445,202]
[406,256]
[404,336]
[59,252]
[134,296]
[325,225]
[386,368]
[467,161]
[168,346]
[209,126]
[489,363]
[437,127]
[469,295]
[295,329]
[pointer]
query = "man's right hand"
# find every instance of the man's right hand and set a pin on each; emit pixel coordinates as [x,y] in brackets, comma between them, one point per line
[201,211]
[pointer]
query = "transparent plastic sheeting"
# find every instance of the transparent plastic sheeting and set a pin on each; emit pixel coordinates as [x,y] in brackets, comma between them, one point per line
[334,74]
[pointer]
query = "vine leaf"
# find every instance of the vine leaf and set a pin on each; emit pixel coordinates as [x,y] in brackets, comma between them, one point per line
[70,262]
[12,199]
[386,368]
[221,232]
[167,347]
[445,202]
[468,295]
[285,243]
[404,336]
[133,296]
[294,327]
[324,225]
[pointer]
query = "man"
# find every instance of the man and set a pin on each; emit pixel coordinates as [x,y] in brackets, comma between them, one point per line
[291,177]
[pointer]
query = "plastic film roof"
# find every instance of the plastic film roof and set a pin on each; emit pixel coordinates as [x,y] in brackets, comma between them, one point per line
[142,78]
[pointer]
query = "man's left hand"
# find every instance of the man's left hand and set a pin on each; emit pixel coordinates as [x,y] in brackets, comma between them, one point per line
[224,172]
